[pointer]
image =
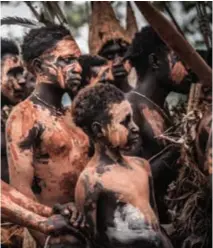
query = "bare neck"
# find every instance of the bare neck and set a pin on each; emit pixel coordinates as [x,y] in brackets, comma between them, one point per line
[105,152]
[152,88]
[49,93]
[122,84]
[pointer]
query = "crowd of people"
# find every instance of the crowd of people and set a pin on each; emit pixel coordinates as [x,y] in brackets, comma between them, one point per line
[98,173]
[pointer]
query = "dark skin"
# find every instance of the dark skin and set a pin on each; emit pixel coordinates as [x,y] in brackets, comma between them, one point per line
[16,85]
[164,71]
[40,122]
[13,78]
[102,193]
[19,209]
[57,71]
[114,52]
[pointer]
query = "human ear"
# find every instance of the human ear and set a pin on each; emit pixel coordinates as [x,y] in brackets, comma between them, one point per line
[37,65]
[97,129]
[154,61]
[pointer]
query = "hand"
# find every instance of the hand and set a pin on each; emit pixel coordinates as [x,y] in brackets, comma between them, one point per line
[69,211]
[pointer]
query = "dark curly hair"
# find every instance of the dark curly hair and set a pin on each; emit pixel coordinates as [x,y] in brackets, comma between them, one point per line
[92,104]
[87,63]
[8,47]
[144,43]
[39,40]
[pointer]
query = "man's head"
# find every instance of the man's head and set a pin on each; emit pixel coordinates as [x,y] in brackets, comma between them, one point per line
[148,53]
[52,55]
[114,52]
[104,114]
[13,75]
[109,39]
[94,70]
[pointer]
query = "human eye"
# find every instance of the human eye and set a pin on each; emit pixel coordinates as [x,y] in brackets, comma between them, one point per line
[14,72]
[110,56]
[70,60]
[126,121]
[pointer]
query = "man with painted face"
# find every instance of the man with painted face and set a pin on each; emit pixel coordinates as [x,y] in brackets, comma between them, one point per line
[109,40]
[46,151]
[114,191]
[159,72]
[16,85]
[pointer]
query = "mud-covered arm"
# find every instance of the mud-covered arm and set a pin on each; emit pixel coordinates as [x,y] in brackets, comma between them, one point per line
[86,199]
[20,136]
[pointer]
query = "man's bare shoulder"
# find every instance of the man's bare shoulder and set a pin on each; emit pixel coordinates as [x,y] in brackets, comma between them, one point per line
[21,119]
[88,172]
[24,108]
[140,162]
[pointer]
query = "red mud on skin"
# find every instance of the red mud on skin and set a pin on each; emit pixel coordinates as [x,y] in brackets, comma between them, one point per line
[178,71]
[117,134]
[154,119]
[65,144]
[10,83]
[114,179]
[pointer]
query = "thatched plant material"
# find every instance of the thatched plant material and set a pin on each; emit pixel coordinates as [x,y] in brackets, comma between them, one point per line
[190,201]
[176,42]
[189,197]
[11,235]
[104,27]
[194,97]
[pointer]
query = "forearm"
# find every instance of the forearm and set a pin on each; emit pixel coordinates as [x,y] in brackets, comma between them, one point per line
[24,201]
[21,216]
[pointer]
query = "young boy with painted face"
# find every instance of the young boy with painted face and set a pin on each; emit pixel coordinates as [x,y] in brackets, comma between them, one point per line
[46,151]
[114,191]
[15,87]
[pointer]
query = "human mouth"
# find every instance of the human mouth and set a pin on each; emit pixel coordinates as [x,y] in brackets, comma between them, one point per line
[19,94]
[119,71]
[132,141]
[74,82]
[134,138]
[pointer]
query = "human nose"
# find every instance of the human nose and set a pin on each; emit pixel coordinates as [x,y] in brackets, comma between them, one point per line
[22,81]
[16,85]
[117,60]
[134,127]
[77,68]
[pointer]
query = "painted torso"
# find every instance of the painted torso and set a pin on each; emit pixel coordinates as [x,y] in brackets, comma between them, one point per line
[114,199]
[5,111]
[60,151]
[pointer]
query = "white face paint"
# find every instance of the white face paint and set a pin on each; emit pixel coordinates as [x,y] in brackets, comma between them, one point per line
[122,130]
[116,132]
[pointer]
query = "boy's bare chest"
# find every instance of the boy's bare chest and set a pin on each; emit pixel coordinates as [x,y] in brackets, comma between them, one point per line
[126,183]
